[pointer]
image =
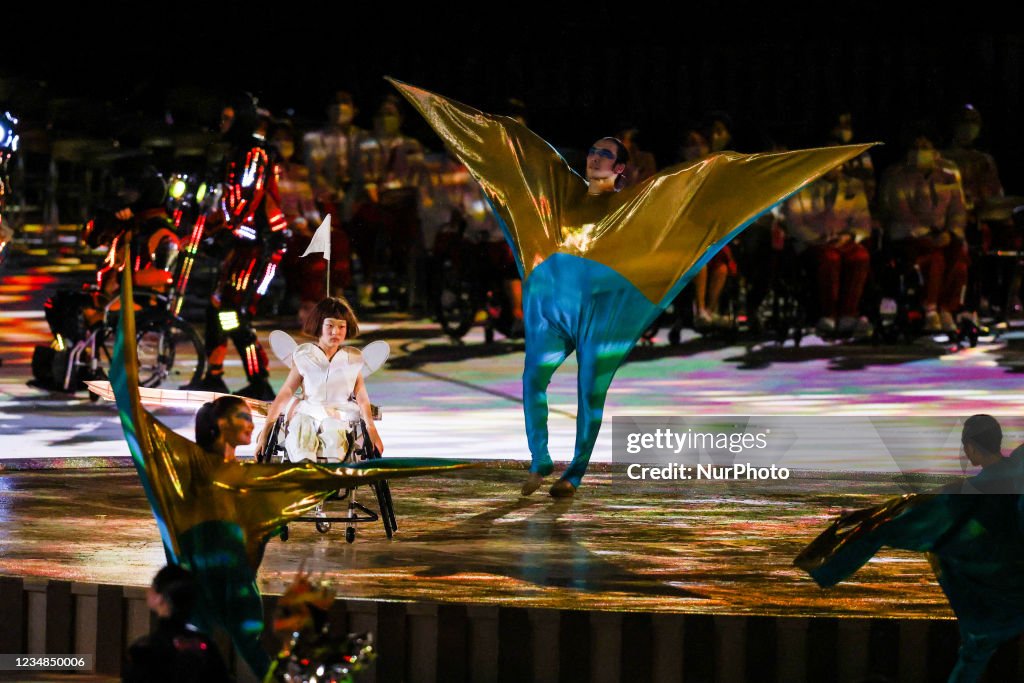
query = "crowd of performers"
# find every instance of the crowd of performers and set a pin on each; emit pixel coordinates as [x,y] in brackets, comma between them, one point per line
[926,211]
[931,212]
[601,257]
[931,216]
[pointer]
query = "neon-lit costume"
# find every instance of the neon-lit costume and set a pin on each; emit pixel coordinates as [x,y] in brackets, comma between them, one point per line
[145,227]
[154,242]
[8,146]
[215,517]
[258,229]
[975,544]
[598,269]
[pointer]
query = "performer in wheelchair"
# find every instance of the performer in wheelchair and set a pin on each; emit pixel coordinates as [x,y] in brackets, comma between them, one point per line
[322,423]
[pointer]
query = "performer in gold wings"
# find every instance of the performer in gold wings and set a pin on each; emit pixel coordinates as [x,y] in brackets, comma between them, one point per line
[599,265]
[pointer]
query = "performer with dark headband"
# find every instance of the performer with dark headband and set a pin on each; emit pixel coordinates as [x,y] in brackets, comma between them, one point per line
[599,265]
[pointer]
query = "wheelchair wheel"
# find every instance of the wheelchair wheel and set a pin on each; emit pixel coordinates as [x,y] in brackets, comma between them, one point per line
[675,335]
[455,309]
[350,534]
[169,348]
[166,347]
[323,527]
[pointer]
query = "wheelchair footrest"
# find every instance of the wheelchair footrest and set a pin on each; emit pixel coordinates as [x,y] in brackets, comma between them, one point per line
[367,515]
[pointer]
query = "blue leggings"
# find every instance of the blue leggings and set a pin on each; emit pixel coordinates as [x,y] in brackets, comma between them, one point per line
[575,304]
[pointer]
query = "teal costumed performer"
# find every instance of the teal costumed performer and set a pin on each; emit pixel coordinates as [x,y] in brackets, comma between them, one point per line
[215,516]
[598,266]
[973,532]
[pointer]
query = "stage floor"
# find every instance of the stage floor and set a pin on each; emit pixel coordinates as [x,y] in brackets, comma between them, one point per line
[470,538]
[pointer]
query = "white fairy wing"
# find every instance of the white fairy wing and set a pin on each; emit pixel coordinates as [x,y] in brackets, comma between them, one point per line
[283,345]
[374,356]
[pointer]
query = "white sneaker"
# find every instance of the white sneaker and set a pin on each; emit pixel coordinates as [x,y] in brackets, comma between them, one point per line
[932,321]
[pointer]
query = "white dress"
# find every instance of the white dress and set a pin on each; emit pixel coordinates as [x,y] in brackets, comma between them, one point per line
[323,420]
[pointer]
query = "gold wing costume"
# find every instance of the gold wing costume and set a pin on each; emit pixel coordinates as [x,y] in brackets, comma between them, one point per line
[598,269]
[216,517]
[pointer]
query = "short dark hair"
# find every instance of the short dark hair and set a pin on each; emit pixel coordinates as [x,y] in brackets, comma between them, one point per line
[342,97]
[207,430]
[176,585]
[984,432]
[331,307]
[621,153]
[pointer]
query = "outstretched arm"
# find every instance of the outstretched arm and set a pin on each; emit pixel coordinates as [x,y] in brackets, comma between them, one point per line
[366,410]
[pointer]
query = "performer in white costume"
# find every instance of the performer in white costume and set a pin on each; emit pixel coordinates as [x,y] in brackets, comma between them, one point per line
[321,422]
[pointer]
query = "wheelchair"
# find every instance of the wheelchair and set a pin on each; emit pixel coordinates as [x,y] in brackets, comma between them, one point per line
[84,327]
[360,449]
[899,301]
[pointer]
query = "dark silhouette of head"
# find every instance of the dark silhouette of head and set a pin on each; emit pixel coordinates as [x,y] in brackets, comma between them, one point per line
[984,432]
[177,587]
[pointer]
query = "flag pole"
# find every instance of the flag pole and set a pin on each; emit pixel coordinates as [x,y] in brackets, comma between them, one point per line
[327,254]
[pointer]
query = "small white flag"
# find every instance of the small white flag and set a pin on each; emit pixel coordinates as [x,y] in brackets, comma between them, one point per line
[321,242]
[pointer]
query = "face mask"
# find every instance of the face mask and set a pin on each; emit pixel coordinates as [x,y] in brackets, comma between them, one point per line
[390,124]
[923,158]
[343,115]
[286,148]
[969,132]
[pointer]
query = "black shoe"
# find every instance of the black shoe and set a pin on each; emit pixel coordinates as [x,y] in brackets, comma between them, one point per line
[213,383]
[258,389]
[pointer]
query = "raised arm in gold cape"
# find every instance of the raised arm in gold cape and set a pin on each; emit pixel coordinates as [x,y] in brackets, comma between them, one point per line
[654,233]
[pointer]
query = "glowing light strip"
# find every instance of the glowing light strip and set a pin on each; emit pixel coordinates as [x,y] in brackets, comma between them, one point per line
[245,232]
[248,274]
[250,359]
[267,277]
[228,320]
